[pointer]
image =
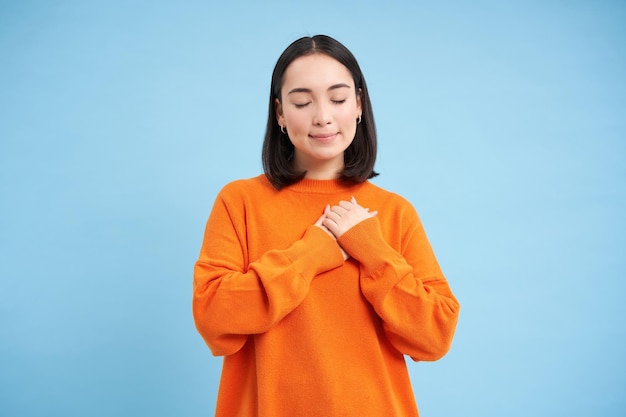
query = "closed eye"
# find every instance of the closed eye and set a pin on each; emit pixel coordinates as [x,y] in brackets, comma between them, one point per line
[339,101]
[300,105]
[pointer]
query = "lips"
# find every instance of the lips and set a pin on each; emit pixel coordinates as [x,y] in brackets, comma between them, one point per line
[324,137]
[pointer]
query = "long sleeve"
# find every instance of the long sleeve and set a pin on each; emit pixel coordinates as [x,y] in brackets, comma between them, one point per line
[233,296]
[406,288]
[302,331]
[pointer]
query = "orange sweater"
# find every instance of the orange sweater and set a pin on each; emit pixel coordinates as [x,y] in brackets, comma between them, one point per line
[302,332]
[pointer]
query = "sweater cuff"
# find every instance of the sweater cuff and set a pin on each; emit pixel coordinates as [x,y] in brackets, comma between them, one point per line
[316,252]
[363,241]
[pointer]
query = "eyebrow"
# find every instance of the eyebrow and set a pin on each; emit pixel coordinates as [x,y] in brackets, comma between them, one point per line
[308,90]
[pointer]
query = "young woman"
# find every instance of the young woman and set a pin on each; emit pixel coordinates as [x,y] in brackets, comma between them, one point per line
[312,282]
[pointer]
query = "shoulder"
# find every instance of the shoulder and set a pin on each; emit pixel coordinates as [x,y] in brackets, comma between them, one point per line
[391,206]
[239,196]
[388,198]
[258,185]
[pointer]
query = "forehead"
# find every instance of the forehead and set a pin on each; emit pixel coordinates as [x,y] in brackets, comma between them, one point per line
[316,71]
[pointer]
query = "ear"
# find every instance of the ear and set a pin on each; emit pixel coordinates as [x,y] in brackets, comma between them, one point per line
[358,102]
[278,107]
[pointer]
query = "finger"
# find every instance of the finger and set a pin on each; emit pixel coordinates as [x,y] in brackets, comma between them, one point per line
[330,225]
[333,217]
[340,210]
[344,204]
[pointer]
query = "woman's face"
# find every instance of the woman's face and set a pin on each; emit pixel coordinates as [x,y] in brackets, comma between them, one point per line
[319,109]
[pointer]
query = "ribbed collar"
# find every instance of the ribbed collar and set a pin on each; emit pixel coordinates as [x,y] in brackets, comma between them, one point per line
[322,186]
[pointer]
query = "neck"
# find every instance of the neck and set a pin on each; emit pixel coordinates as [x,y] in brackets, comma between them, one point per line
[320,170]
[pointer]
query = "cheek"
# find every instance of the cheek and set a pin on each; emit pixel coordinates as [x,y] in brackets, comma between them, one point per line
[348,116]
[349,111]
[296,121]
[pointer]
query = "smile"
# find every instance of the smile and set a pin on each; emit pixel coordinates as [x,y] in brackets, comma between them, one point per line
[323,137]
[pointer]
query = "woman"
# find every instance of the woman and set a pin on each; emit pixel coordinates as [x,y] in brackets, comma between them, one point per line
[312,298]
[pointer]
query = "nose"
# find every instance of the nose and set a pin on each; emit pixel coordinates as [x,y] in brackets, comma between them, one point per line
[322,115]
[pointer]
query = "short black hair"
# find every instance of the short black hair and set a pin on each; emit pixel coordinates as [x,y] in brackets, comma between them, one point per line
[359,157]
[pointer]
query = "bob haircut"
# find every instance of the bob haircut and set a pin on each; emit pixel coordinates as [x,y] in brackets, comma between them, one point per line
[359,157]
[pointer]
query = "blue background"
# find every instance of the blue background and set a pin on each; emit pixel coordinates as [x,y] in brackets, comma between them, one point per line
[503,122]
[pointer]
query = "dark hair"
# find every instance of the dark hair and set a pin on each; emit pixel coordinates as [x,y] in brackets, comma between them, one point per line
[359,157]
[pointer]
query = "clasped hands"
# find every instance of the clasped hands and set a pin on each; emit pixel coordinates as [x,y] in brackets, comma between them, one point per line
[337,220]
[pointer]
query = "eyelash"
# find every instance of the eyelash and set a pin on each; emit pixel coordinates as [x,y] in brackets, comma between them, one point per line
[300,106]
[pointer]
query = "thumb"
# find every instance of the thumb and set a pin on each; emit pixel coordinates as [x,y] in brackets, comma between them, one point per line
[323,216]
